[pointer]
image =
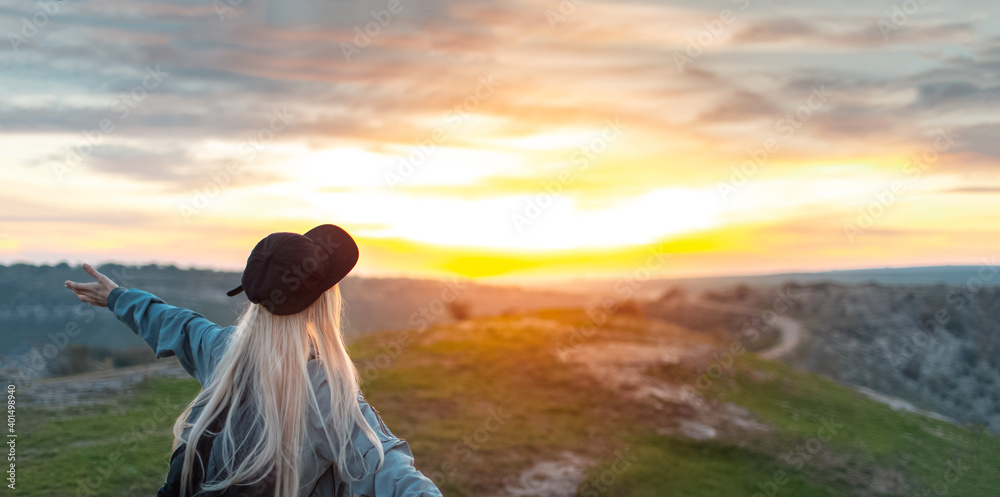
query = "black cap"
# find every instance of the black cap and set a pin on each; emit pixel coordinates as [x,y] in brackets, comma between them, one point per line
[287,272]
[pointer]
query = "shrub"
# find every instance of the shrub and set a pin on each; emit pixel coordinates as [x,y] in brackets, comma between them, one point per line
[460,310]
[629,308]
[74,360]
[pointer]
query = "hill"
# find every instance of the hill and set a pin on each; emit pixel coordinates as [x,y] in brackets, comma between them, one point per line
[560,403]
[929,275]
[36,310]
[934,346]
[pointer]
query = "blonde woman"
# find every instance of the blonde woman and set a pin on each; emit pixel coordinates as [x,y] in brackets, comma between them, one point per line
[300,426]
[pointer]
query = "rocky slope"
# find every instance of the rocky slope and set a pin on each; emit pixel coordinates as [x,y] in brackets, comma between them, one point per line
[937,346]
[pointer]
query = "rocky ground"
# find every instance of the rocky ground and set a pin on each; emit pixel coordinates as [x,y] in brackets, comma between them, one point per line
[935,347]
[95,388]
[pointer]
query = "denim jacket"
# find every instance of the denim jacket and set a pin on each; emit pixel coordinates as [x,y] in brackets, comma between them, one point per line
[198,344]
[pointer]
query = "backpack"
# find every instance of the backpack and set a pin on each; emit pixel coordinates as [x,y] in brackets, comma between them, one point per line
[203,459]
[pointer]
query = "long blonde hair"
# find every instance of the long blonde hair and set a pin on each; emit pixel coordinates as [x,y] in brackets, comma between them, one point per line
[265,368]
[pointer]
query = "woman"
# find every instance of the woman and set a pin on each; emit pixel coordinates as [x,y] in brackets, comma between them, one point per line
[301,426]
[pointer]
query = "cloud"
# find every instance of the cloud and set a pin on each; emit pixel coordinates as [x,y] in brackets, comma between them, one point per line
[850,33]
[417,77]
[742,105]
[169,168]
[934,93]
[172,165]
[980,139]
[975,189]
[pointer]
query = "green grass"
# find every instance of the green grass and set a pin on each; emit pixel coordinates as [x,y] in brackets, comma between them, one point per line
[440,390]
[661,465]
[441,394]
[869,433]
[118,449]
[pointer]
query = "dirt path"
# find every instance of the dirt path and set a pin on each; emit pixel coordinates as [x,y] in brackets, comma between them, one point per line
[791,335]
[791,330]
[623,365]
[674,405]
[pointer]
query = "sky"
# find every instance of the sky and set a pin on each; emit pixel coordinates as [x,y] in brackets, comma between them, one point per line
[504,139]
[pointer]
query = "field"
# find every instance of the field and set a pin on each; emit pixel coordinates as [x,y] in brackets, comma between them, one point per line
[541,403]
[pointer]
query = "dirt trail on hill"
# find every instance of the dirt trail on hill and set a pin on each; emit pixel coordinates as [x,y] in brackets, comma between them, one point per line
[791,330]
[792,333]
[630,366]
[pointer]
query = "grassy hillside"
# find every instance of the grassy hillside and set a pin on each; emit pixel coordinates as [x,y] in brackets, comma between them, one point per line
[544,403]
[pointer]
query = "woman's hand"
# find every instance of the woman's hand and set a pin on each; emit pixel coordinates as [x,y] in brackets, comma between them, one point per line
[93,293]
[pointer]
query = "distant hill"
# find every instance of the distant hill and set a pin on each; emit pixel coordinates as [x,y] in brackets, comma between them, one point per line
[931,275]
[36,309]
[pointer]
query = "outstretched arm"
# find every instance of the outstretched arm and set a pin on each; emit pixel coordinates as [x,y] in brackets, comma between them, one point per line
[397,477]
[169,330]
